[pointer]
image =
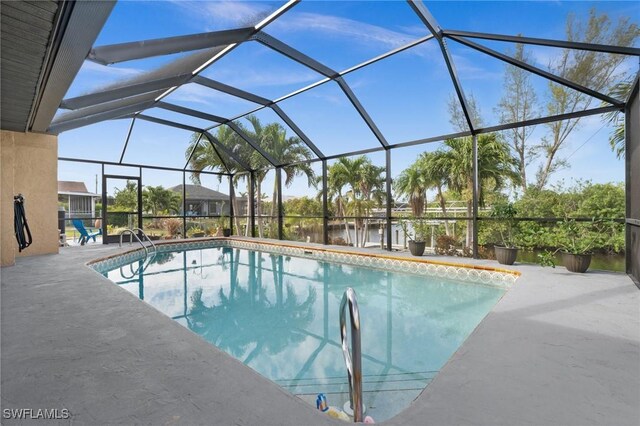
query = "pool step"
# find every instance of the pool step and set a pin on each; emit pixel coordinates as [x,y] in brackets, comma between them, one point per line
[370,383]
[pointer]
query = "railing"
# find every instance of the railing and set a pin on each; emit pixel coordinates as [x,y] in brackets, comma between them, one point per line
[353,361]
[147,237]
[131,233]
[145,264]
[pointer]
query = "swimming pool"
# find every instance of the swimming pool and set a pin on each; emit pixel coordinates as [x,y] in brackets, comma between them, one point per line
[278,313]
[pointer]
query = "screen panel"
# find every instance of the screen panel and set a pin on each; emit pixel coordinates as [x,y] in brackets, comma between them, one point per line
[327,116]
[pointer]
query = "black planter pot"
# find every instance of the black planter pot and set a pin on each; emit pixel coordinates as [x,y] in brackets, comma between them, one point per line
[417,247]
[506,255]
[226,232]
[576,262]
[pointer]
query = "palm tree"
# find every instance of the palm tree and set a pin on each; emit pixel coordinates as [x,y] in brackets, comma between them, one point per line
[412,183]
[287,150]
[158,199]
[434,176]
[372,190]
[335,197]
[496,166]
[206,157]
[616,139]
[272,138]
[345,172]
[364,190]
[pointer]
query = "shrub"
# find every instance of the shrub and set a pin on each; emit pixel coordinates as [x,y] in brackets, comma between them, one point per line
[338,241]
[194,230]
[173,226]
[446,245]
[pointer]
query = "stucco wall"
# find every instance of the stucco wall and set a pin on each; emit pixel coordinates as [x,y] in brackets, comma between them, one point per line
[30,167]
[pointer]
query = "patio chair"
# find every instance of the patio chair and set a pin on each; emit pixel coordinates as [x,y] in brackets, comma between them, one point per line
[84,235]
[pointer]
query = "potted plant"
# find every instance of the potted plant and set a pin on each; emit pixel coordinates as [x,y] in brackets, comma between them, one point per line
[505,213]
[223,223]
[416,240]
[576,240]
[195,232]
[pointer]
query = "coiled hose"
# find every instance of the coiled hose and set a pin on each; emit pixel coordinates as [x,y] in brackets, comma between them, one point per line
[23,234]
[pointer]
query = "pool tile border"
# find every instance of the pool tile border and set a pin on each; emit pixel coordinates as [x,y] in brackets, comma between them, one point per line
[459,271]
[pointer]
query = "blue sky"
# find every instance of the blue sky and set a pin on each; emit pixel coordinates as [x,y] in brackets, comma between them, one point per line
[406,94]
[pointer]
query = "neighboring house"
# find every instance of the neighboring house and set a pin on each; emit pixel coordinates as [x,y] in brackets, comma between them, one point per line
[202,201]
[77,200]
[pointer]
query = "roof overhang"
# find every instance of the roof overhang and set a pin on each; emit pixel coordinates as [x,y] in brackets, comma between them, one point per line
[84,194]
[44,44]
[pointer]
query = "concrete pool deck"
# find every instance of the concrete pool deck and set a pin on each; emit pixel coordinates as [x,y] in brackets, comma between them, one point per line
[558,349]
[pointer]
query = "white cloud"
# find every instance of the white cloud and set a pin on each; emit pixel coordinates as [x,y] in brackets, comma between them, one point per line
[224,14]
[542,57]
[250,78]
[338,27]
[197,93]
[114,71]
[469,71]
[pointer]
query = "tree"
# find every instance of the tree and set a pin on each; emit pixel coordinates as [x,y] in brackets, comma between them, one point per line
[519,103]
[365,189]
[157,199]
[373,193]
[273,139]
[127,197]
[303,206]
[412,183]
[496,167]
[595,70]
[206,156]
[616,139]
[346,172]
[336,181]
[456,114]
[435,177]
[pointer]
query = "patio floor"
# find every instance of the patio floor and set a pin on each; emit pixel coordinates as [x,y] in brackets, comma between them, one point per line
[559,348]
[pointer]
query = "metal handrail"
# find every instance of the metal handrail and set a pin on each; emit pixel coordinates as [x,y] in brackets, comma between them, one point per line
[353,361]
[145,264]
[147,237]
[130,232]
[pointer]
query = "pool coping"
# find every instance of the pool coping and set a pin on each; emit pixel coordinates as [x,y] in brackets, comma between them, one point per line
[488,275]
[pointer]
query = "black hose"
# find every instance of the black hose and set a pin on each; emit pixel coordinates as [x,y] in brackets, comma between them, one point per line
[20,223]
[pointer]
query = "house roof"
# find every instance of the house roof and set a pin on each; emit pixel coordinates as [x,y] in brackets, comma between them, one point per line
[199,192]
[71,186]
[74,188]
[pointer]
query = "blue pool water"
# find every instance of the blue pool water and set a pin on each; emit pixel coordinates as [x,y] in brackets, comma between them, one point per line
[279,315]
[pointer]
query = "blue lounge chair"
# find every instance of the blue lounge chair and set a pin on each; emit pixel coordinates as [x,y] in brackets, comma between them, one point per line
[84,235]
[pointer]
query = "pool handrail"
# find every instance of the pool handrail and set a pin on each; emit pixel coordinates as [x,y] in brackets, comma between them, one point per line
[147,237]
[145,264]
[353,360]
[131,231]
